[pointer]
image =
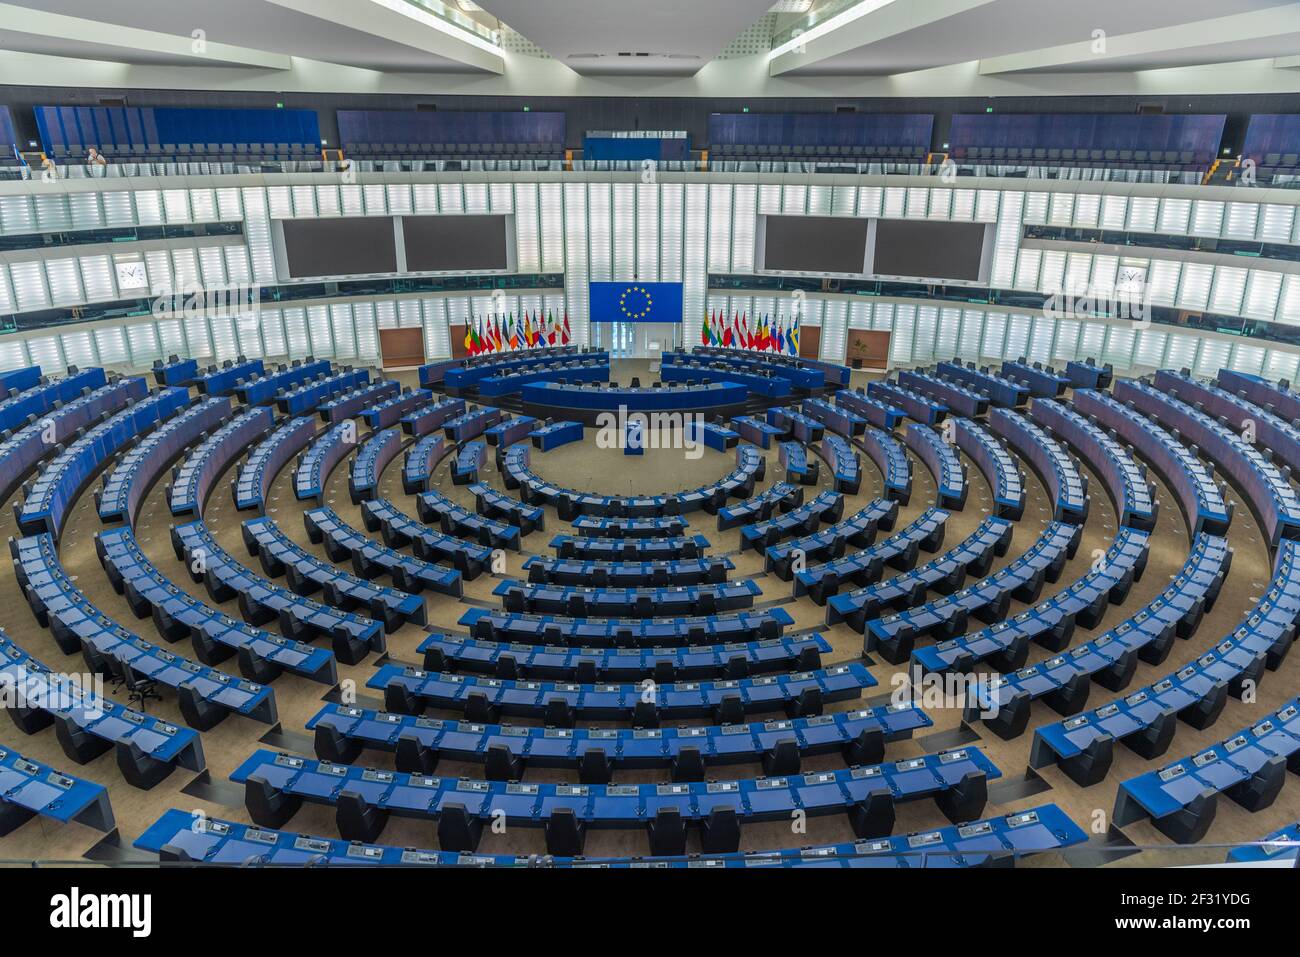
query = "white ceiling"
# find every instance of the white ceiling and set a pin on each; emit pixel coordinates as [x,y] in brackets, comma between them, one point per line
[254,24]
[717,48]
[681,35]
[1002,27]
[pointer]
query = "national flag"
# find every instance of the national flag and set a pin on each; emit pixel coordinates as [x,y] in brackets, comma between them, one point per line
[744,331]
[794,337]
[565,338]
[704,331]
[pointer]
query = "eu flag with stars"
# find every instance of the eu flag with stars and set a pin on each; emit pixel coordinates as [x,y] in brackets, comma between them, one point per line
[636,301]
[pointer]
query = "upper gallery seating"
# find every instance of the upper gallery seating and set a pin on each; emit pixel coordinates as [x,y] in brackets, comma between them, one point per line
[1273,144]
[456,135]
[149,134]
[822,138]
[1178,141]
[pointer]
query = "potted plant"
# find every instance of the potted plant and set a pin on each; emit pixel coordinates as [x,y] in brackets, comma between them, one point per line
[858,353]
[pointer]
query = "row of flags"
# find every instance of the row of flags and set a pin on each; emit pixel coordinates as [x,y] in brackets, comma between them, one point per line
[506,333]
[779,335]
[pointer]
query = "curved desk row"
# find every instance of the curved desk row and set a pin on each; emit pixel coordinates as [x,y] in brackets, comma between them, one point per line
[585,403]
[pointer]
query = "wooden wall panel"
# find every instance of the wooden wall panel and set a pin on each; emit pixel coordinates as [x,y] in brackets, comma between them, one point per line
[402,347]
[869,345]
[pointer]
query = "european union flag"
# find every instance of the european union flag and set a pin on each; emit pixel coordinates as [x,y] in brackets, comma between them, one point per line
[636,301]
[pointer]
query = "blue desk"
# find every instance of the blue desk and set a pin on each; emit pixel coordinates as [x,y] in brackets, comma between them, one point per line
[28,446]
[917,406]
[1250,767]
[472,371]
[1189,478]
[1042,383]
[260,601]
[371,460]
[428,418]
[222,381]
[434,508]
[1280,845]
[352,403]
[205,696]
[999,390]
[1198,690]
[39,399]
[761,364]
[180,372]
[555,434]
[389,412]
[1275,395]
[713,435]
[828,507]
[511,383]
[794,423]
[262,655]
[629,549]
[800,694]
[276,785]
[178,836]
[551,398]
[894,635]
[995,464]
[370,558]
[858,529]
[330,448]
[253,483]
[833,373]
[341,733]
[1126,480]
[148,748]
[308,396]
[943,462]
[471,424]
[29,788]
[879,413]
[421,459]
[19,380]
[509,431]
[1269,493]
[844,463]
[1272,432]
[1066,486]
[658,632]
[496,504]
[698,375]
[193,479]
[445,652]
[603,527]
[793,457]
[822,582]
[469,459]
[305,573]
[625,602]
[890,458]
[1086,375]
[958,398]
[400,530]
[140,467]
[756,431]
[55,490]
[263,389]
